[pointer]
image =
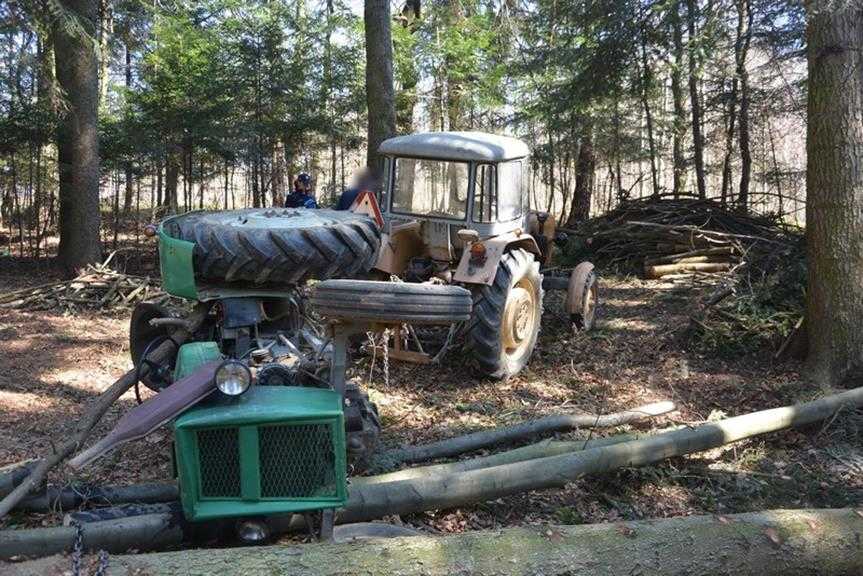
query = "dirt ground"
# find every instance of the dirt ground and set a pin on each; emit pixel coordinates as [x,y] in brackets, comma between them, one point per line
[51,365]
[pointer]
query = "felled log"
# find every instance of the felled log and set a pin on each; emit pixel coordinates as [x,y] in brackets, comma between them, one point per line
[146,532]
[545,425]
[661,270]
[690,254]
[538,450]
[769,543]
[12,475]
[72,497]
[92,416]
[368,501]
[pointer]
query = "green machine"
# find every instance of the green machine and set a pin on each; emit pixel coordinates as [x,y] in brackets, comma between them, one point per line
[253,381]
[272,435]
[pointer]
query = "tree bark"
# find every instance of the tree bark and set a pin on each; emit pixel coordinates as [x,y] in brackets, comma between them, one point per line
[730,115]
[146,532]
[584,179]
[77,139]
[694,100]
[406,98]
[380,93]
[127,168]
[834,190]
[546,425]
[678,131]
[646,85]
[768,543]
[541,449]
[741,52]
[172,176]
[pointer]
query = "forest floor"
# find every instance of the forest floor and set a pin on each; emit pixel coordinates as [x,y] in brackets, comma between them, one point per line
[642,350]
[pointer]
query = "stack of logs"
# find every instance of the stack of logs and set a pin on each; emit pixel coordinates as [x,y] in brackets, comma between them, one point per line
[667,237]
[713,259]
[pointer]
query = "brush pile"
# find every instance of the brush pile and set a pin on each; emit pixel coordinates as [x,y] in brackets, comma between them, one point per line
[756,263]
[98,288]
[661,237]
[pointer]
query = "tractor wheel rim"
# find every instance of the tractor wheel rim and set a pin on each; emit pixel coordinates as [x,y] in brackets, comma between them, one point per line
[519,318]
[590,305]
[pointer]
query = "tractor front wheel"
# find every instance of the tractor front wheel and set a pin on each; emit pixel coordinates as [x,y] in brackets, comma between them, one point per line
[505,320]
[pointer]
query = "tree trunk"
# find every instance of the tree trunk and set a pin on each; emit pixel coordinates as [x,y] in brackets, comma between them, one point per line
[731,115]
[584,179]
[407,97]
[678,130]
[106,28]
[646,85]
[768,543]
[172,176]
[741,51]
[834,190]
[77,139]
[694,100]
[127,168]
[380,95]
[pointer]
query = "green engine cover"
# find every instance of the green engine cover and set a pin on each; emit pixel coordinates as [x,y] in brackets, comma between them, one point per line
[193,355]
[176,265]
[273,450]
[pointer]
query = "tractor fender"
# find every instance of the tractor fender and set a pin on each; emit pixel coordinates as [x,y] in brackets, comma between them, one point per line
[469,272]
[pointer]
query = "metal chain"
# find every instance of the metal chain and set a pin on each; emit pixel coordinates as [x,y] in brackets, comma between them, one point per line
[447,343]
[386,338]
[103,563]
[78,550]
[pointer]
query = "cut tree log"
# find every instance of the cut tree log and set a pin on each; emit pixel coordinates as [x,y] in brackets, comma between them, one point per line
[539,450]
[93,415]
[146,532]
[12,475]
[769,543]
[674,258]
[495,436]
[659,271]
[368,501]
[71,497]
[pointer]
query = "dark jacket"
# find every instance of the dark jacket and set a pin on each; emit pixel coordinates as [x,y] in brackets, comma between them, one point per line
[297,199]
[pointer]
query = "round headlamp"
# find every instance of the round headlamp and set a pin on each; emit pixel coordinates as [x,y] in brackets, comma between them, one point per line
[233,378]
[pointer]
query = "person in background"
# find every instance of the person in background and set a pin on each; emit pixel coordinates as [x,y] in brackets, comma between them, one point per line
[302,195]
[364,180]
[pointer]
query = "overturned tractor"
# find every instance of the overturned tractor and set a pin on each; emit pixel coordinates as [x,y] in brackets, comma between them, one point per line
[265,422]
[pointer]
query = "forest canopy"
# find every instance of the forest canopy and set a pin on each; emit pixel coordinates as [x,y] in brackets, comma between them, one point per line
[221,103]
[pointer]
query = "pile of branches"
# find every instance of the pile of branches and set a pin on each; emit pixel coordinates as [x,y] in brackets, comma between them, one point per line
[663,236]
[96,288]
[755,261]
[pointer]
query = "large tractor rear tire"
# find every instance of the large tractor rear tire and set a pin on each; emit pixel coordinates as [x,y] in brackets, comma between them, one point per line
[278,245]
[506,316]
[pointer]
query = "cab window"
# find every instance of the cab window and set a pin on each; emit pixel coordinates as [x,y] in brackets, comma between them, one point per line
[498,195]
[485,195]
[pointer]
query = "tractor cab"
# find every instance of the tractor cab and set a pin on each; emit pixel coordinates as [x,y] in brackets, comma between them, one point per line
[446,190]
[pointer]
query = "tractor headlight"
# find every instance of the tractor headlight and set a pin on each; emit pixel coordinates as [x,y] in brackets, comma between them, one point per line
[233,378]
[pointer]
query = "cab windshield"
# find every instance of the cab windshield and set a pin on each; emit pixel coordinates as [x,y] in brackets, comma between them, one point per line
[430,188]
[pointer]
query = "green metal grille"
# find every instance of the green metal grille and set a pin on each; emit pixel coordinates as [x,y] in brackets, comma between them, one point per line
[297,461]
[219,453]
